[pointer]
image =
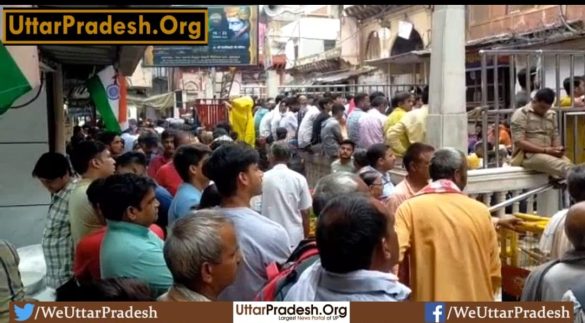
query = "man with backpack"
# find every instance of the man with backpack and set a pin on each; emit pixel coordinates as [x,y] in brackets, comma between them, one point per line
[283,276]
[358,248]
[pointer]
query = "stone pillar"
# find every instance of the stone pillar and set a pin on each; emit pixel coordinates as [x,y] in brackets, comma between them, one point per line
[60,131]
[272,82]
[447,120]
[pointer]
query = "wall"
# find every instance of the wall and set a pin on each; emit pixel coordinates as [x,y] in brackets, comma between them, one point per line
[142,77]
[310,42]
[491,20]
[23,200]
[419,15]
[350,40]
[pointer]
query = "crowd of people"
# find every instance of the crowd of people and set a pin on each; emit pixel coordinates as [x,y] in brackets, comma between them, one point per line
[174,215]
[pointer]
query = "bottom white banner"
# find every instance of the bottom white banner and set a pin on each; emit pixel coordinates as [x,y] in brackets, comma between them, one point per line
[271,312]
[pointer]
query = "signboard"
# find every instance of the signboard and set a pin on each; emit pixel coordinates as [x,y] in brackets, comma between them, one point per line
[233,41]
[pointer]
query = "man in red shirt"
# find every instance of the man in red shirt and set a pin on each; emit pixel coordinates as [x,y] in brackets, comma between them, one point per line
[167,176]
[168,139]
[86,264]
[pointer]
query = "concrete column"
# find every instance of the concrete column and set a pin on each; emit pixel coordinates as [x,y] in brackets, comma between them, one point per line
[447,120]
[272,82]
[58,110]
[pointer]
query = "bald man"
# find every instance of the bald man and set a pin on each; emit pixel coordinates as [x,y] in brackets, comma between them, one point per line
[334,185]
[549,282]
[450,236]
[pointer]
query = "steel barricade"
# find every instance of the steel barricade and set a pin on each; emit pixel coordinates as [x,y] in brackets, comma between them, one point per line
[499,105]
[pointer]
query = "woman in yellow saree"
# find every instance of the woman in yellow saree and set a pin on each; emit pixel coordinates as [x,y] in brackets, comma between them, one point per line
[241,119]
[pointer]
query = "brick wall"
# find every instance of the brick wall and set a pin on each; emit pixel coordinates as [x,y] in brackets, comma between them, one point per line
[491,20]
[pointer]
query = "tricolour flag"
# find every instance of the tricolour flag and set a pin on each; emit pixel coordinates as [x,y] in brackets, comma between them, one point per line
[19,72]
[108,92]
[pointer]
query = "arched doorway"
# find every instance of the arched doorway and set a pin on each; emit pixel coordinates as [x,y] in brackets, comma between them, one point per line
[373,46]
[402,45]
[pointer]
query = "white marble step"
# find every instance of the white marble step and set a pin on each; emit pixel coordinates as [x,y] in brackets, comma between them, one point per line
[32,271]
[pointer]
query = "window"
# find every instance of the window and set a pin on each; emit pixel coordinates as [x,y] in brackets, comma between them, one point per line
[328,44]
[514,8]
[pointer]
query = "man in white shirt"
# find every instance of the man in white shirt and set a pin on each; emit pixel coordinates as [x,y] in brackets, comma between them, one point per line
[306,126]
[278,114]
[290,120]
[266,122]
[285,196]
[554,242]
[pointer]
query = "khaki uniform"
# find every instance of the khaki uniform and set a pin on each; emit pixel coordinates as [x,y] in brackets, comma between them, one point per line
[543,132]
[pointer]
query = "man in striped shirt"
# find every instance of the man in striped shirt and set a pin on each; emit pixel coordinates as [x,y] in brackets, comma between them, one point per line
[53,171]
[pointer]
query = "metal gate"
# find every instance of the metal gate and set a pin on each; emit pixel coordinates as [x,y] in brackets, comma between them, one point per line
[210,111]
[543,68]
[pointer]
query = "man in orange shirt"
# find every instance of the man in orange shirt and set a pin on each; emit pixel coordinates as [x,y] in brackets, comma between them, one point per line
[416,162]
[452,240]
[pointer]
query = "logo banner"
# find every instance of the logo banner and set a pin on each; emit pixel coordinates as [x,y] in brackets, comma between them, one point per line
[273,312]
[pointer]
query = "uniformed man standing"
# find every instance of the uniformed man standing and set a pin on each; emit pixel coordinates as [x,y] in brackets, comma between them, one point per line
[536,138]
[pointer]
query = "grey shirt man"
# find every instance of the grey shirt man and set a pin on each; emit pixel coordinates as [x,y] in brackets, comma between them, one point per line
[262,241]
[331,137]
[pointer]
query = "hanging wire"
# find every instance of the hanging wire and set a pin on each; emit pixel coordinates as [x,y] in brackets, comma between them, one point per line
[36,95]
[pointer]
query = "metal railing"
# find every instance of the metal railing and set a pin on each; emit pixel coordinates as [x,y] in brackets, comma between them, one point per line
[536,78]
[344,89]
[520,198]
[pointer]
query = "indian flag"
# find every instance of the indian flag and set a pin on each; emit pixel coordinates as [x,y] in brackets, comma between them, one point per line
[108,92]
[19,72]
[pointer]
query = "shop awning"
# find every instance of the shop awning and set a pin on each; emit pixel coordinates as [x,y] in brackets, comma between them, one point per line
[127,57]
[342,76]
[329,60]
[159,102]
[413,57]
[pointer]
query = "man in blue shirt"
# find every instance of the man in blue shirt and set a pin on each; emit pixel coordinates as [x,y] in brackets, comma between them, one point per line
[135,163]
[129,248]
[188,161]
[234,170]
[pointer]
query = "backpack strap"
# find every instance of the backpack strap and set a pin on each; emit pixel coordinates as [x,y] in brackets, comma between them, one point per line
[305,250]
[579,293]
[272,270]
[547,268]
[310,253]
[538,292]
[300,249]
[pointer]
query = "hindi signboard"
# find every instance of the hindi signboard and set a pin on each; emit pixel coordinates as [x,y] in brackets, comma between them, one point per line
[233,41]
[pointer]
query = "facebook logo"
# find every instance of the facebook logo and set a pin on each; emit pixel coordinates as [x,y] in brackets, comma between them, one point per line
[435,312]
